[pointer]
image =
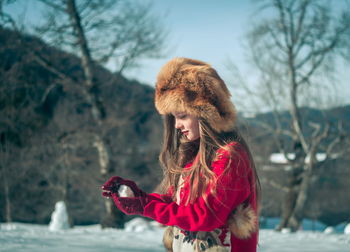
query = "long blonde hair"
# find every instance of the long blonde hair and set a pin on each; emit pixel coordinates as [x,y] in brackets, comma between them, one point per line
[177,152]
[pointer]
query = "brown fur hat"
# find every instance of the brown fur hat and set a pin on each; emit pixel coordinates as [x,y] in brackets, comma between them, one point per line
[194,87]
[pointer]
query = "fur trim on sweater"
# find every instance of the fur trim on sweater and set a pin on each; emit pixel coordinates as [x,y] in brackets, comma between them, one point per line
[194,87]
[168,238]
[243,222]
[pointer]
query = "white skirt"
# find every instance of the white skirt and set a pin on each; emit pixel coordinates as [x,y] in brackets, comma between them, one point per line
[186,241]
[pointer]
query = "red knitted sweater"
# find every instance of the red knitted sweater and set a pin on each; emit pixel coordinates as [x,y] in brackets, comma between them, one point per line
[232,189]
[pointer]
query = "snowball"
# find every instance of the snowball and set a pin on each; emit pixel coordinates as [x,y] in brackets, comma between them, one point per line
[59,217]
[125,191]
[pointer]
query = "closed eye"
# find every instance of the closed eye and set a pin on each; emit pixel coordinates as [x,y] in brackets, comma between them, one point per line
[180,116]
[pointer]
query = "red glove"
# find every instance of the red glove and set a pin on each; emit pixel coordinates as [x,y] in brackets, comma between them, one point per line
[128,205]
[112,186]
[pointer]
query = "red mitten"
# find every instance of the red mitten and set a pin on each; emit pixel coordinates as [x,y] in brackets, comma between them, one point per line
[113,184]
[130,205]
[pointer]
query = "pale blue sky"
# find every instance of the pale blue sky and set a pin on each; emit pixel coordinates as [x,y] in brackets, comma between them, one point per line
[209,30]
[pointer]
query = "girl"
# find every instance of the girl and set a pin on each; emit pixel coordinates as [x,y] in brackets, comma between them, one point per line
[210,188]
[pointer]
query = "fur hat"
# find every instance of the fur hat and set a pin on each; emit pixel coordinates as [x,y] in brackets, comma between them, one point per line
[194,87]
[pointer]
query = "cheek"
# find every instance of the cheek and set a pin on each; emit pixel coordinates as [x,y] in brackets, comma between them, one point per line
[195,128]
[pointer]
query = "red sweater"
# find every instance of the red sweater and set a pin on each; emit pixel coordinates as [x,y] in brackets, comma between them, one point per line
[232,189]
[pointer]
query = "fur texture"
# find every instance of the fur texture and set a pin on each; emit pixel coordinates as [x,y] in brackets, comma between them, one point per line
[194,87]
[168,238]
[243,222]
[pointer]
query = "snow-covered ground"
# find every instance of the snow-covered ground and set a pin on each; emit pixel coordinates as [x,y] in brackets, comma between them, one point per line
[141,236]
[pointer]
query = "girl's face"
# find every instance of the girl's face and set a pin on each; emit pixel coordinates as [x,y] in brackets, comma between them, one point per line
[187,124]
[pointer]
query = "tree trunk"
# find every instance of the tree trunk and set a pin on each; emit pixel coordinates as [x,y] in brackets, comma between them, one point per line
[66,185]
[298,211]
[86,60]
[289,201]
[97,109]
[81,39]
[103,154]
[296,199]
[113,218]
[8,214]
[4,160]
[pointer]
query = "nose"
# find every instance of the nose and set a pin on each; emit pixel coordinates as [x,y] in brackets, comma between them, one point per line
[178,124]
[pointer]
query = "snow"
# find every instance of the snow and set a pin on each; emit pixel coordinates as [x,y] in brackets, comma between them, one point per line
[303,241]
[17,237]
[59,217]
[279,158]
[143,236]
[138,225]
[347,229]
[285,230]
[329,230]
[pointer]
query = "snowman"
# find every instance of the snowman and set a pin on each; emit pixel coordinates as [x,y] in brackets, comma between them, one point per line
[59,217]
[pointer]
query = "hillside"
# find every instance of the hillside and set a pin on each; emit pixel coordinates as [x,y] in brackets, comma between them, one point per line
[39,108]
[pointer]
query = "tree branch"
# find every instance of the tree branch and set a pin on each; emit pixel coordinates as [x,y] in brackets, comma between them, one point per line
[275,185]
[53,5]
[340,137]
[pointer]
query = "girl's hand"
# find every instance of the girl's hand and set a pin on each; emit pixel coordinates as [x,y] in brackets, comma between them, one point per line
[128,205]
[112,186]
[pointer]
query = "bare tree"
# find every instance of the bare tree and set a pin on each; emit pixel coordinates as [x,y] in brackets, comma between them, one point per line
[98,32]
[5,18]
[117,33]
[80,22]
[294,51]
